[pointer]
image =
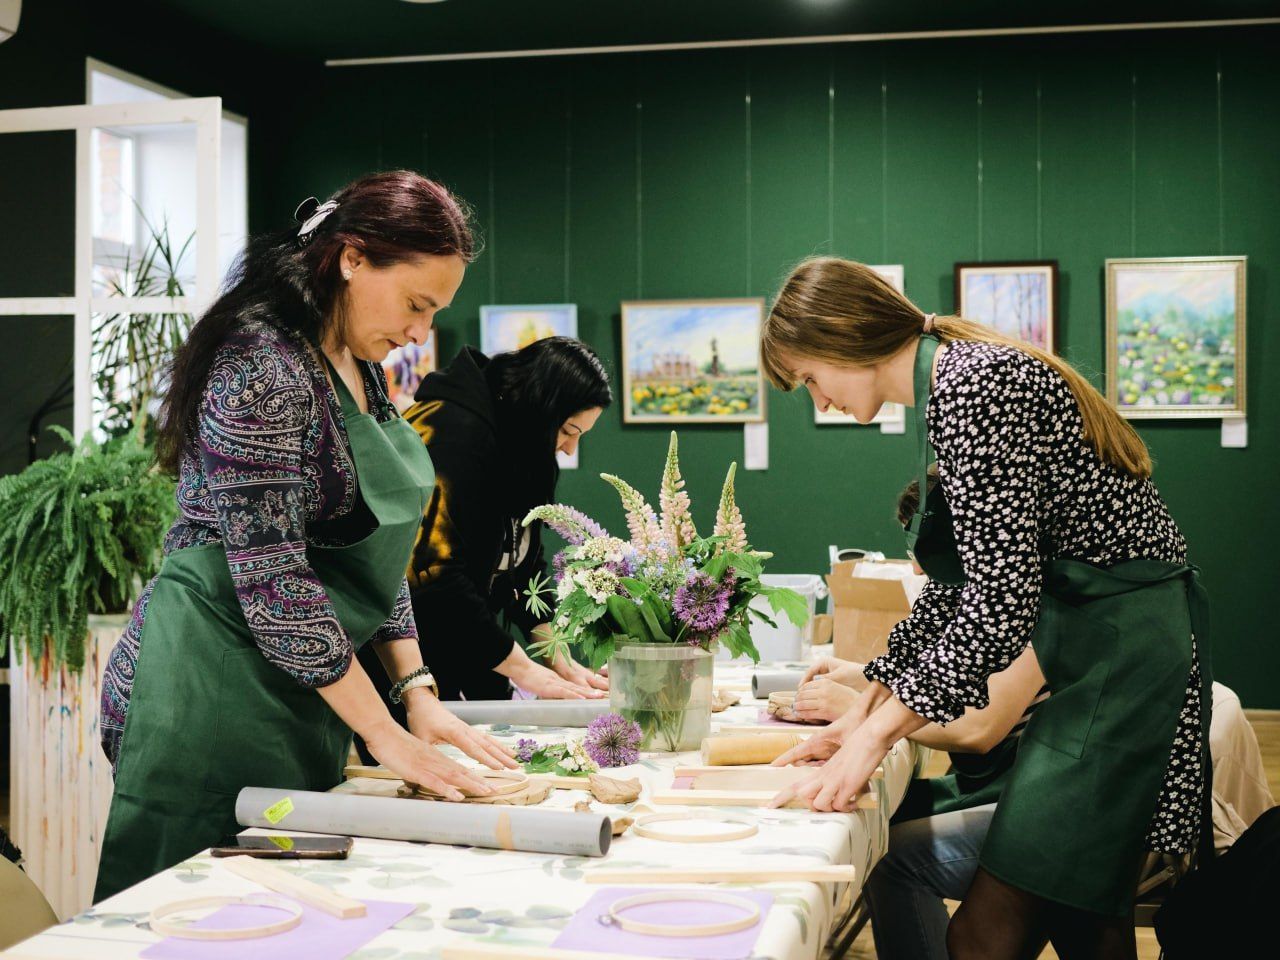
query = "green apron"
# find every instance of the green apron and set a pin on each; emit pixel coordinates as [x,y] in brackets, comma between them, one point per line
[208,713]
[1115,645]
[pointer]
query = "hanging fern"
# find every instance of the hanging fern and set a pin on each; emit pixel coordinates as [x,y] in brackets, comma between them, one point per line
[78,532]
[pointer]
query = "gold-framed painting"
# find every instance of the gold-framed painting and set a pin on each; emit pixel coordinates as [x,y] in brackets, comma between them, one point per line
[1176,336]
[692,361]
[1016,298]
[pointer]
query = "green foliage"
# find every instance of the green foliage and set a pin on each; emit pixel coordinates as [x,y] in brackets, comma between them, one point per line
[130,350]
[78,531]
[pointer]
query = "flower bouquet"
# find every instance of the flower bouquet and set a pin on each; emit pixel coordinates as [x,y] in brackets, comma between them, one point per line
[655,606]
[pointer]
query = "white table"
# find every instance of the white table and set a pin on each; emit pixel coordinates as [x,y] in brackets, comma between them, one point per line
[513,897]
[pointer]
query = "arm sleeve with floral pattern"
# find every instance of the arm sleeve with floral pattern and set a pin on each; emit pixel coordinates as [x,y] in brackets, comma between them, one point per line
[257,408]
[933,610]
[989,455]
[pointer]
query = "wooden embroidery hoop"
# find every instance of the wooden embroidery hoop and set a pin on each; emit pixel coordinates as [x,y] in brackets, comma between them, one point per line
[641,828]
[160,925]
[614,918]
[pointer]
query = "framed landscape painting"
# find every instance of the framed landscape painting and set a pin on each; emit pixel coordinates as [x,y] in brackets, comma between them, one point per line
[1019,299]
[506,328]
[1176,336]
[406,366]
[692,361]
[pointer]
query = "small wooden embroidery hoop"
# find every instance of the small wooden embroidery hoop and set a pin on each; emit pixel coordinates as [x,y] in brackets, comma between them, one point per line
[641,828]
[185,931]
[612,918]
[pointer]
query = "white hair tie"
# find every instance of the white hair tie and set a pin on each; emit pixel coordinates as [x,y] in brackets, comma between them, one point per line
[311,213]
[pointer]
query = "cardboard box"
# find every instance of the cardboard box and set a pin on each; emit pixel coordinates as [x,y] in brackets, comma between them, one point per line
[867,601]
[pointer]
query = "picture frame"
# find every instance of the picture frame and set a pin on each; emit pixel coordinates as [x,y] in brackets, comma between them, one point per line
[406,366]
[508,327]
[892,417]
[692,361]
[1018,298]
[1176,336]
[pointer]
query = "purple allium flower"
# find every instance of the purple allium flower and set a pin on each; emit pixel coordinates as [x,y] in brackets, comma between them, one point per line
[613,741]
[525,749]
[701,604]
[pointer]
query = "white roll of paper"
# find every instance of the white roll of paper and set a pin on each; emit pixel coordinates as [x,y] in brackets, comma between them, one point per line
[541,713]
[765,682]
[528,829]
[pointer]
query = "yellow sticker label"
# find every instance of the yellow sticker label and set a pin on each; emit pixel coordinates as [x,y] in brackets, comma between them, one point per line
[284,843]
[278,811]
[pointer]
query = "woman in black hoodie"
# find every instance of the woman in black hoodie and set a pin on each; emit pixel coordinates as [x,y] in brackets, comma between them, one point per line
[493,427]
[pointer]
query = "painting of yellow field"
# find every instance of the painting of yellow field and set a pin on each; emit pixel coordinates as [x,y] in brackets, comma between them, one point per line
[692,361]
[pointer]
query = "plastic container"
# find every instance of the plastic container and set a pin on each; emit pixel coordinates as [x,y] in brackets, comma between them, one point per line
[786,641]
[666,689]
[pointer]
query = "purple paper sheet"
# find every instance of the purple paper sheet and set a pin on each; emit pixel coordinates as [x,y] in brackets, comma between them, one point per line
[318,937]
[585,931]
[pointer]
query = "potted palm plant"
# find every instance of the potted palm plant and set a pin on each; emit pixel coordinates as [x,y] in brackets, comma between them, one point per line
[655,606]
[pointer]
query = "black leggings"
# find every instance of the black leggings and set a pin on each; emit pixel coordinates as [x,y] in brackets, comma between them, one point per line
[997,921]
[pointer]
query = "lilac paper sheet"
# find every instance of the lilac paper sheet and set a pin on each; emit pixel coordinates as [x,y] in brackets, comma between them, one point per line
[585,931]
[318,937]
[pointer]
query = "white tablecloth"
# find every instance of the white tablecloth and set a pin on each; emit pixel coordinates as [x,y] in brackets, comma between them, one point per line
[513,897]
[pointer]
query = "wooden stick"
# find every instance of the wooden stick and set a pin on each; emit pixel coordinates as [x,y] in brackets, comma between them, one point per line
[832,873]
[474,950]
[753,748]
[382,773]
[281,881]
[799,729]
[699,771]
[738,798]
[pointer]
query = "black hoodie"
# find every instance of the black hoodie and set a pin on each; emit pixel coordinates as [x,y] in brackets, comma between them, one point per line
[469,526]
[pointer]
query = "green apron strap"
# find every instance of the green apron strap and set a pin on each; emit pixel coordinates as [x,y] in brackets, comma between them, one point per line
[923,374]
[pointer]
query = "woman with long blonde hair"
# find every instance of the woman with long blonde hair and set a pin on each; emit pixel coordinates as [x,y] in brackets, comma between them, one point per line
[1045,518]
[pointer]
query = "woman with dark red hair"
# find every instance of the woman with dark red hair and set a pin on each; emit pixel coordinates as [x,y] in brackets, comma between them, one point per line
[300,493]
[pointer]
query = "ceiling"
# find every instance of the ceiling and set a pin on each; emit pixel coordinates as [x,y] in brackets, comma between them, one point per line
[337,29]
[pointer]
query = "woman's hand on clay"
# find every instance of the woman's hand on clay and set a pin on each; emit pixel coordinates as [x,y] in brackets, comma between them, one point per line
[431,721]
[823,698]
[823,743]
[835,786]
[844,672]
[569,669]
[414,761]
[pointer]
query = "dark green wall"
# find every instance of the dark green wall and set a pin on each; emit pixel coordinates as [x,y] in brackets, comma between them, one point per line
[603,179]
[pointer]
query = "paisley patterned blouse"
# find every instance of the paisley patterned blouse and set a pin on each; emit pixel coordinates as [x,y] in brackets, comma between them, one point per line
[268,467]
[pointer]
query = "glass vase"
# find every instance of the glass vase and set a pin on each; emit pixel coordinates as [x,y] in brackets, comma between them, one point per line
[666,688]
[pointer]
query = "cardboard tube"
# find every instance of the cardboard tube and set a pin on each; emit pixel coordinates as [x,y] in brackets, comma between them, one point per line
[765,682]
[479,825]
[747,748]
[540,713]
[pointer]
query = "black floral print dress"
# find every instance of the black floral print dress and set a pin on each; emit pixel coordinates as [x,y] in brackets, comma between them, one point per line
[1025,487]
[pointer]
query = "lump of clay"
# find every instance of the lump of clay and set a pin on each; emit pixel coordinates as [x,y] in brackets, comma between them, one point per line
[609,790]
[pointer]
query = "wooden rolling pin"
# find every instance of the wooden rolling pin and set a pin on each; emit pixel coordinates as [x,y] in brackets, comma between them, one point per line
[733,751]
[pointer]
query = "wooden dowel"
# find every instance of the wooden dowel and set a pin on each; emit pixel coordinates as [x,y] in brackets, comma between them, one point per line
[753,748]
[829,873]
[699,771]
[281,881]
[738,798]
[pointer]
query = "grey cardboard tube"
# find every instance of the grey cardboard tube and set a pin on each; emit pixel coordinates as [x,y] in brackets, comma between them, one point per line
[527,829]
[765,682]
[542,713]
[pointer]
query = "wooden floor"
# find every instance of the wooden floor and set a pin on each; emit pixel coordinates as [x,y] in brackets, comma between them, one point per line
[1266,723]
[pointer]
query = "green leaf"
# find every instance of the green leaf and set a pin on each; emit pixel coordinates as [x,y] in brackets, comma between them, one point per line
[784,600]
[628,617]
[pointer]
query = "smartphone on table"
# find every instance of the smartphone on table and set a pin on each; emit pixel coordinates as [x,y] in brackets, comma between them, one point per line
[283,847]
